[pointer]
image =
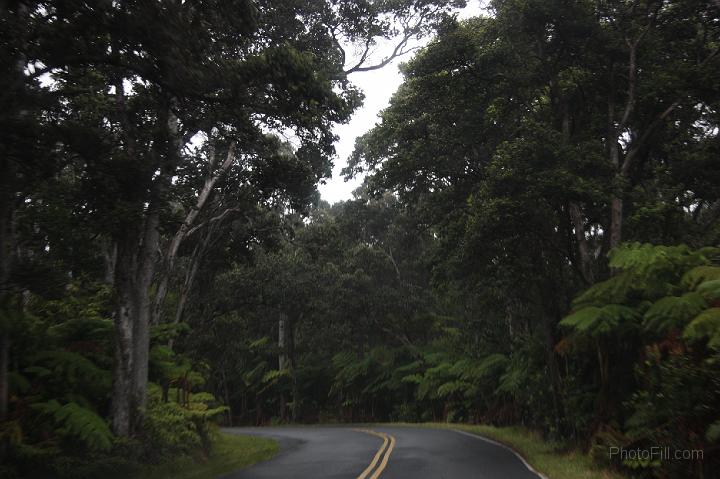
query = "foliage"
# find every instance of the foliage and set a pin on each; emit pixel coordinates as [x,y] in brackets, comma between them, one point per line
[529,244]
[75,421]
[675,374]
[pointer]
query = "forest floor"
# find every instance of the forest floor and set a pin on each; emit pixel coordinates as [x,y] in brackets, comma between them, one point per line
[229,454]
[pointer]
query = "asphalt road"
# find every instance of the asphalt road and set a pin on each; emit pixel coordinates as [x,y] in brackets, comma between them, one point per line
[382,452]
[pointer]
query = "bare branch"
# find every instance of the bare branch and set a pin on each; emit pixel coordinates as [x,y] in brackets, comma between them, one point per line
[181,234]
[213,220]
[398,51]
[410,29]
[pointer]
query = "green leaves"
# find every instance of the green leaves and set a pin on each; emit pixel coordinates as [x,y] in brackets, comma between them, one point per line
[593,321]
[668,286]
[706,326]
[700,274]
[78,422]
[673,312]
[710,290]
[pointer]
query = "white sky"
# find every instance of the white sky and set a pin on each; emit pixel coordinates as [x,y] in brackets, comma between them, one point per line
[378,86]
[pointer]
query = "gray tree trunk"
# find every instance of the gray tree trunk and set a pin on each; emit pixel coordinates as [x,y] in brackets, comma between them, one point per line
[134,274]
[203,196]
[123,402]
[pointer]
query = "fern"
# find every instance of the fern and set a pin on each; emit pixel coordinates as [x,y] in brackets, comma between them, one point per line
[713,432]
[594,321]
[650,260]
[705,326]
[413,379]
[673,312]
[700,274]
[492,364]
[710,290]
[79,422]
[259,343]
[70,371]
[615,290]
[512,381]
[474,371]
[450,388]
[275,375]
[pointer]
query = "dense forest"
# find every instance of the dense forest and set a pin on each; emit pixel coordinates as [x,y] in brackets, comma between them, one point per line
[536,241]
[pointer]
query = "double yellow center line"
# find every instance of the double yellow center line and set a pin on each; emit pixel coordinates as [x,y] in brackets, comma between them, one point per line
[384,452]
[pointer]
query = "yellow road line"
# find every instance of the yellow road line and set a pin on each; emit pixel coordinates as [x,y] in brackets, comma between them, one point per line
[384,462]
[377,454]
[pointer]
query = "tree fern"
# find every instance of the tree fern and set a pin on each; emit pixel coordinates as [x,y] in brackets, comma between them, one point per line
[673,312]
[70,370]
[594,321]
[713,432]
[493,364]
[275,375]
[706,326]
[513,379]
[652,260]
[617,289]
[700,274]
[710,290]
[452,388]
[79,422]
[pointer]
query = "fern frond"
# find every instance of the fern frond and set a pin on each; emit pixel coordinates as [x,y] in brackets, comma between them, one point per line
[710,290]
[274,375]
[615,290]
[72,367]
[713,432]
[76,421]
[474,371]
[673,312]
[259,343]
[512,381]
[647,259]
[413,379]
[700,274]
[451,388]
[596,321]
[706,325]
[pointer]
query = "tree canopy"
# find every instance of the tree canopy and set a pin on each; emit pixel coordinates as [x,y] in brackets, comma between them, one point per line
[536,241]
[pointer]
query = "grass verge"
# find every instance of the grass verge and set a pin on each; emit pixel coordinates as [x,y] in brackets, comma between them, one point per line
[545,457]
[229,453]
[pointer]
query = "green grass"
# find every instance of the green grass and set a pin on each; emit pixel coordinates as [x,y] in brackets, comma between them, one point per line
[229,453]
[546,458]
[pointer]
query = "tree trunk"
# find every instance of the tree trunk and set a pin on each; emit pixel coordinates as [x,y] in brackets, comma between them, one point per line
[134,273]
[190,275]
[282,357]
[123,402]
[616,221]
[586,267]
[574,209]
[172,251]
[291,366]
[110,259]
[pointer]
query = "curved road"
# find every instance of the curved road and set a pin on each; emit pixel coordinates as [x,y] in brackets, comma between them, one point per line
[382,452]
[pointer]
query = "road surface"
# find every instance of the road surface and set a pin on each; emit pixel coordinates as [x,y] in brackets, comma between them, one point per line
[382,452]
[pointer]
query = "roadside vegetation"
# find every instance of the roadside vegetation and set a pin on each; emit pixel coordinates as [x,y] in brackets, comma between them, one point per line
[553,460]
[229,453]
[536,242]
